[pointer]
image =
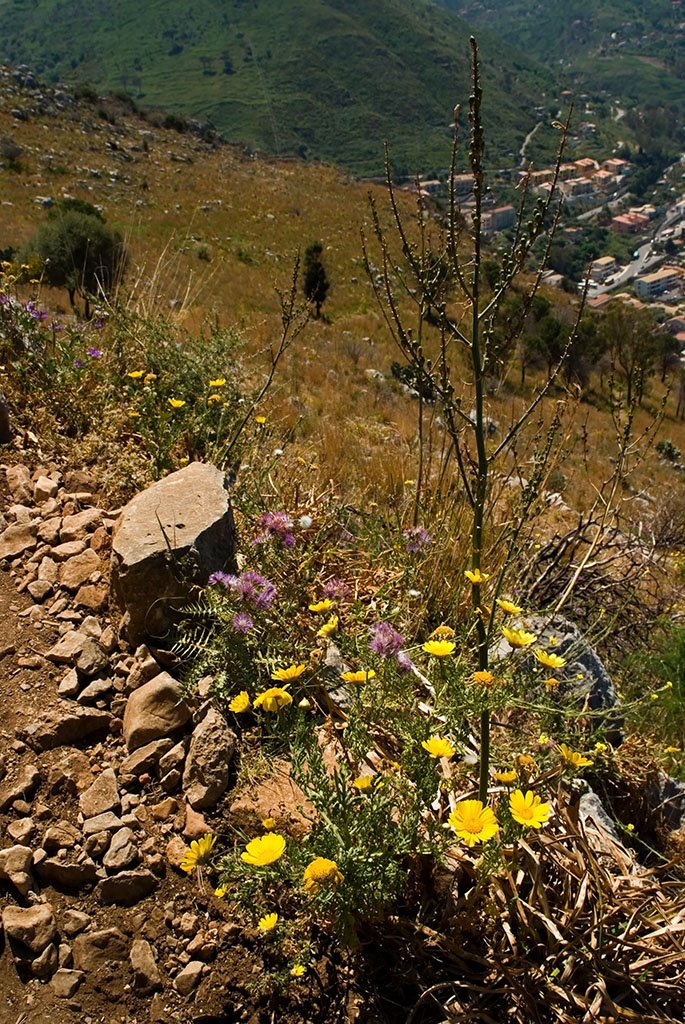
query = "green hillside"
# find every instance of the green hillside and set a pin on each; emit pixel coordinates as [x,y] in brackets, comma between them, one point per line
[326,79]
[630,50]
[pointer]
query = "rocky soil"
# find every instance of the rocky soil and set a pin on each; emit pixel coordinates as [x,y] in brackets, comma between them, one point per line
[106,775]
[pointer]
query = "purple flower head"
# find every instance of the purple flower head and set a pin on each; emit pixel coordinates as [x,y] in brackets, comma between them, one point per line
[385,640]
[56,327]
[220,579]
[254,589]
[415,538]
[242,623]
[335,588]
[276,524]
[4,300]
[345,538]
[98,324]
[94,353]
[404,662]
[78,364]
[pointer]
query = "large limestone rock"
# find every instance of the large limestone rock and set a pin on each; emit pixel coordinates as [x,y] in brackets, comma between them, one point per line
[171,536]
[207,769]
[153,711]
[63,724]
[33,928]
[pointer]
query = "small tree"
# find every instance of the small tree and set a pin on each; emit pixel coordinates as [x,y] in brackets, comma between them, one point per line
[316,283]
[81,253]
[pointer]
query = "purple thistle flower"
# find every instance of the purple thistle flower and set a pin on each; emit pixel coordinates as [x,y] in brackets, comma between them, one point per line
[220,579]
[78,364]
[276,524]
[415,538]
[404,662]
[242,623]
[385,640]
[98,324]
[4,300]
[94,353]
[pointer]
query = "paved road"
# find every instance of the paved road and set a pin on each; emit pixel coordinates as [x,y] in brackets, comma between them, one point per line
[642,262]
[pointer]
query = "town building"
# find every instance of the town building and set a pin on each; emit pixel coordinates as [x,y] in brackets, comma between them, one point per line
[651,285]
[603,268]
[498,219]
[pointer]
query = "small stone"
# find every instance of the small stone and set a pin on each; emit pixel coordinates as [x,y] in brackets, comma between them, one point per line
[106,822]
[62,552]
[146,976]
[19,483]
[92,596]
[67,649]
[95,950]
[22,784]
[74,922]
[22,830]
[122,852]
[77,526]
[34,928]
[165,809]
[62,724]
[171,781]
[195,825]
[15,866]
[97,844]
[40,589]
[46,963]
[153,711]
[187,979]
[127,887]
[48,571]
[65,983]
[146,758]
[102,796]
[48,531]
[67,875]
[176,851]
[70,684]
[97,690]
[173,758]
[92,658]
[61,836]
[207,770]
[44,488]
[189,924]
[76,571]
[17,539]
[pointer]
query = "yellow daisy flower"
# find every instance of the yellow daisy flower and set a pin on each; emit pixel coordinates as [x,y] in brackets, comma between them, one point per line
[260,419]
[358,677]
[221,891]
[328,627]
[552,683]
[149,378]
[135,374]
[240,703]
[273,699]
[321,606]
[264,850]
[442,633]
[439,648]
[176,403]
[476,577]
[268,922]
[507,776]
[482,678]
[297,970]
[218,383]
[472,822]
[269,824]
[321,873]
[364,783]
[286,675]
[518,637]
[199,853]
[438,746]
[548,659]
[214,398]
[528,809]
[508,606]
[573,757]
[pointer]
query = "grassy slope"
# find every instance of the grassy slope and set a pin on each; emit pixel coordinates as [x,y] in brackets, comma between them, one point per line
[331,79]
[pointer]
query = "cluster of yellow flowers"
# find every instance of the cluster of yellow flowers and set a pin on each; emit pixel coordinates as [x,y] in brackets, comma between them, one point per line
[474,823]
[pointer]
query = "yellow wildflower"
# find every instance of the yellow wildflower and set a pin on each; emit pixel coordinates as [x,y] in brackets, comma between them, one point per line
[269,824]
[476,577]
[320,874]
[438,746]
[507,776]
[528,809]
[358,677]
[364,783]
[439,648]
[482,678]
[221,891]
[518,637]
[525,762]
[286,675]
[297,970]
[199,853]
[573,758]
[176,403]
[135,374]
[240,703]
[321,606]
[671,750]
[149,378]
[133,415]
[549,660]
[552,683]
[601,748]
[264,850]
[214,398]
[630,827]
[328,627]
[472,822]
[218,383]
[508,606]
[273,699]
[260,419]
[442,633]
[543,738]
[268,922]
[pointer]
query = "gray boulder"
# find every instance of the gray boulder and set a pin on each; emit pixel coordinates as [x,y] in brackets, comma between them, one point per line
[209,760]
[170,537]
[153,711]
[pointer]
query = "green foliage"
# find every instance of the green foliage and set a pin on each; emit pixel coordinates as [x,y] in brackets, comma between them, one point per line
[315,282]
[660,667]
[79,252]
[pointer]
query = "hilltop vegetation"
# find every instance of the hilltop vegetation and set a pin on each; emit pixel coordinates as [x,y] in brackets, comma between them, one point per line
[322,80]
